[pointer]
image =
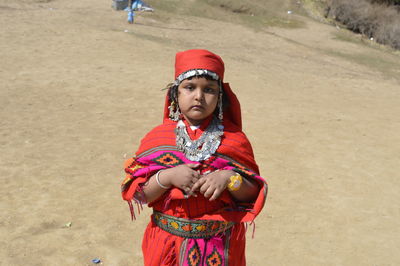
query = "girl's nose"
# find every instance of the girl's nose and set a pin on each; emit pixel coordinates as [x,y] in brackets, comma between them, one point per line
[199,94]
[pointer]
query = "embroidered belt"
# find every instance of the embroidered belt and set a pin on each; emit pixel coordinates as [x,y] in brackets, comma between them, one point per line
[190,228]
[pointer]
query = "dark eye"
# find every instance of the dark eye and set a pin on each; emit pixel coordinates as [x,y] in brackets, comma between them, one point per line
[189,87]
[210,90]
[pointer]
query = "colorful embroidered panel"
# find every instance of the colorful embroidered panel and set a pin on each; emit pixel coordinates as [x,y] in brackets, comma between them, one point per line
[190,228]
[194,256]
[168,159]
[209,251]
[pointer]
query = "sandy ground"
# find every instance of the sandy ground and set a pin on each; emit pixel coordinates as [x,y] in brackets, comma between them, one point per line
[78,92]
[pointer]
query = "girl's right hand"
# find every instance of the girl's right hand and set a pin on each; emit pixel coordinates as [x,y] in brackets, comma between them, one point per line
[183,176]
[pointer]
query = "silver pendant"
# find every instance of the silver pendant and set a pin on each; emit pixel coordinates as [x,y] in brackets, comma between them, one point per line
[202,148]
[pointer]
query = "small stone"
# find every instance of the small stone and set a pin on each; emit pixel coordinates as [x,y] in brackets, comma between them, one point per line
[96,261]
[67,225]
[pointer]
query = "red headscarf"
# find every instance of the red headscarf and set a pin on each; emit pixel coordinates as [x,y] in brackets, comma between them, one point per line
[198,59]
[204,59]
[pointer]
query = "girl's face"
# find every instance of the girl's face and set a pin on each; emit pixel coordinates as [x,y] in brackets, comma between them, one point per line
[197,99]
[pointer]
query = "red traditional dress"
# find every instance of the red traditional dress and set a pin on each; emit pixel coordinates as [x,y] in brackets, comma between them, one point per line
[193,230]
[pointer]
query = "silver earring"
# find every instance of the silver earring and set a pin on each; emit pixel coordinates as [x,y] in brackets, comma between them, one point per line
[174,112]
[220,107]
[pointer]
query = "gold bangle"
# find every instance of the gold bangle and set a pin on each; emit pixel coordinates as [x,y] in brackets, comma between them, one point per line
[236,182]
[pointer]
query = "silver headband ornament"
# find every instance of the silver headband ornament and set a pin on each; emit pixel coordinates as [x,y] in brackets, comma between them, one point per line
[195,72]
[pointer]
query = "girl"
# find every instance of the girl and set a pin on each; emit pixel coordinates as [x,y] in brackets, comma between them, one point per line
[197,171]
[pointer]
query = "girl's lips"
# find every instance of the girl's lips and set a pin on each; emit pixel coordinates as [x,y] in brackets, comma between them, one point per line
[197,107]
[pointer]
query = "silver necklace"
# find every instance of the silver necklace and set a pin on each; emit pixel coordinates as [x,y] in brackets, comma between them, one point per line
[202,148]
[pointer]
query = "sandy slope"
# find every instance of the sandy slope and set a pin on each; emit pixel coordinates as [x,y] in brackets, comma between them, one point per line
[77,93]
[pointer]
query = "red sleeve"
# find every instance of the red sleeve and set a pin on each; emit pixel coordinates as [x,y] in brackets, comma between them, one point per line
[135,177]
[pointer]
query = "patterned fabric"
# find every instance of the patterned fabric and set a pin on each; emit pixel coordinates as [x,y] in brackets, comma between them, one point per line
[190,228]
[215,258]
[168,159]
[208,251]
[162,248]
[194,256]
[138,169]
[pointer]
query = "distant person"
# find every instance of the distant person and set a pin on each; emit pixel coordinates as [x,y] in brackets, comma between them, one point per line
[136,5]
[132,5]
[197,171]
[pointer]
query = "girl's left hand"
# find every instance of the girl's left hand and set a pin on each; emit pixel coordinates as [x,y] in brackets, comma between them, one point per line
[213,184]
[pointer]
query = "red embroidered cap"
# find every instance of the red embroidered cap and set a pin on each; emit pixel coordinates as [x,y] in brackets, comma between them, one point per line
[198,59]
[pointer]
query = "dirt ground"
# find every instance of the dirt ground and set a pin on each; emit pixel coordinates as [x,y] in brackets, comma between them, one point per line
[80,87]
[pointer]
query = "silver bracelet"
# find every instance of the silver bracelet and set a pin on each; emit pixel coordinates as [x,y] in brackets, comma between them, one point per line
[158,180]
